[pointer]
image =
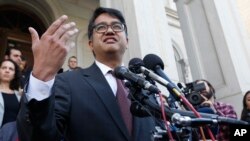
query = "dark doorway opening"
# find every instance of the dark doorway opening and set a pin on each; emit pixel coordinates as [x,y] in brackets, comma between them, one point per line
[14,32]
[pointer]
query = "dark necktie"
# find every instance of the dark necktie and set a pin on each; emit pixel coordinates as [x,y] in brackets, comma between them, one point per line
[124,104]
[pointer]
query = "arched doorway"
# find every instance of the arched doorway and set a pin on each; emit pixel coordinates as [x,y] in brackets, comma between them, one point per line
[14,24]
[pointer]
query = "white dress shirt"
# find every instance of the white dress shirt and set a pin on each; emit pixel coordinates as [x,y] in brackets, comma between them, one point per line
[109,77]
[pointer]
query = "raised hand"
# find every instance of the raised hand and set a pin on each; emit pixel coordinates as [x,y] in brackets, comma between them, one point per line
[51,49]
[208,103]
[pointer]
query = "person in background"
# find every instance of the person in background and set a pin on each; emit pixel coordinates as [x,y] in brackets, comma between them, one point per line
[9,94]
[83,105]
[72,63]
[219,108]
[245,114]
[25,71]
[14,54]
[23,65]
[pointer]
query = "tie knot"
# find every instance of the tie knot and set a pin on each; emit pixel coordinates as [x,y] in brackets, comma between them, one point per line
[117,79]
[111,72]
[120,83]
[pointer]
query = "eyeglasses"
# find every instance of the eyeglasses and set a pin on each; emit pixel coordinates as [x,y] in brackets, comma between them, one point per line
[102,27]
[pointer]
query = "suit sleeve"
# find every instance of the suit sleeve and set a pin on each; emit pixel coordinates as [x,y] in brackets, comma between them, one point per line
[45,119]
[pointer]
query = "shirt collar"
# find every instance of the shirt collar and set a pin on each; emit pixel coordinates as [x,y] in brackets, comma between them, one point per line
[104,68]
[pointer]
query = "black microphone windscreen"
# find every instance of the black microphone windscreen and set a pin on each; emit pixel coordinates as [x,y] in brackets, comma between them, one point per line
[152,60]
[135,64]
[119,71]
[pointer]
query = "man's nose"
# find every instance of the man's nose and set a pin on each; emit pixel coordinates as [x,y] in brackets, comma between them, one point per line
[110,30]
[19,59]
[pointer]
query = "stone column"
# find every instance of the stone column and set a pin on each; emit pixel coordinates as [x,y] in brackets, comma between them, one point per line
[216,47]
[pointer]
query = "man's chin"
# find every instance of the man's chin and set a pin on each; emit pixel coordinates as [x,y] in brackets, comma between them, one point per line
[113,54]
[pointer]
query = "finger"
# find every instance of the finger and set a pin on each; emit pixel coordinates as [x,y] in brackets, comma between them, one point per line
[205,98]
[70,45]
[69,34]
[55,25]
[34,35]
[64,28]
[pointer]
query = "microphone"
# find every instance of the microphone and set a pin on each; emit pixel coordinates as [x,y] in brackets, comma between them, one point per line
[136,65]
[122,72]
[155,63]
[220,119]
[187,121]
[205,117]
[187,117]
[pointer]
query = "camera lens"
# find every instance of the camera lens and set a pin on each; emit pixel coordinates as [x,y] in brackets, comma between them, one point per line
[195,99]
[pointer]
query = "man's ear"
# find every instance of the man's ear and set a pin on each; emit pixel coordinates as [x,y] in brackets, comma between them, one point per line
[127,43]
[91,44]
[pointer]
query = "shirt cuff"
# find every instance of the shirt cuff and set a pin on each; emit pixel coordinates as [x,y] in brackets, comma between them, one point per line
[38,89]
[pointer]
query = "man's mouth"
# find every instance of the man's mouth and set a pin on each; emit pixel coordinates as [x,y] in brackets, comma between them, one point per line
[109,40]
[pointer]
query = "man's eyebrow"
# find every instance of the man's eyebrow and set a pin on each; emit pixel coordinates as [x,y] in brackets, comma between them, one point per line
[107,23]
[101,23]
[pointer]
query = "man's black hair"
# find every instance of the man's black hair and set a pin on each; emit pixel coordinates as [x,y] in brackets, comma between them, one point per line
[8,50]
[112,12]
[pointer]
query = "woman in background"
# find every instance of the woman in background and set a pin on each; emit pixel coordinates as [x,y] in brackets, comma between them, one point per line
[245,114]
[9,94]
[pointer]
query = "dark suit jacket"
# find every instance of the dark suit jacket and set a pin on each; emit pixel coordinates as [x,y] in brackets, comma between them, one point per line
[82,108]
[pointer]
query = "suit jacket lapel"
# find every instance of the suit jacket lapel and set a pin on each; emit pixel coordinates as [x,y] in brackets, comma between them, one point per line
[96,79]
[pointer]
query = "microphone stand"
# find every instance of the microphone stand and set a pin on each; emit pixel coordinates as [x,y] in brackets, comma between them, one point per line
[150,108]
[147,106]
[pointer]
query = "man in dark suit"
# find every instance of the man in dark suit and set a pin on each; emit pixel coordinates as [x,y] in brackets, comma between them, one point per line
[82,104]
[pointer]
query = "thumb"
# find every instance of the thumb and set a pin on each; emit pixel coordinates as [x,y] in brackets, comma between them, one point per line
[34,35]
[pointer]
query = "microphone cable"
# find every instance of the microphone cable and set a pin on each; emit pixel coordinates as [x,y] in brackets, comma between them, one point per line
[190,106]
[167,124]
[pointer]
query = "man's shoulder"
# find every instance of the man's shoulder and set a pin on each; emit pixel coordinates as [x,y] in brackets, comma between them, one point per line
[76,73]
